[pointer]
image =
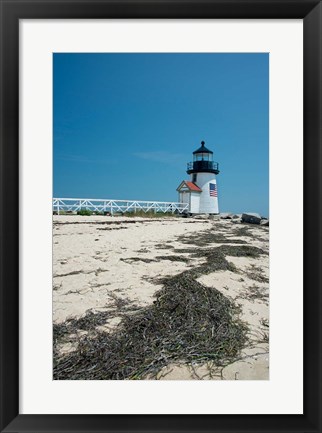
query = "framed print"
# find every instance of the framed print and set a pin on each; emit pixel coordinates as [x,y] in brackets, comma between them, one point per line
[139,292]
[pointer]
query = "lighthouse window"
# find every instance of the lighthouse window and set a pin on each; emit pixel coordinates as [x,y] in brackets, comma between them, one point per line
[203,157]
[194,177]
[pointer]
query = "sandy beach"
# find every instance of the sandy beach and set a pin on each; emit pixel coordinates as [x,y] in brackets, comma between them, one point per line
[101,262]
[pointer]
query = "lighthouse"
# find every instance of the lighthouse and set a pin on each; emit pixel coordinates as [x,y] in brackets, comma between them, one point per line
[201,192]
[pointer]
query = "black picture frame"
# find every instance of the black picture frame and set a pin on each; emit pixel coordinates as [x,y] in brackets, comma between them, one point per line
[11,12]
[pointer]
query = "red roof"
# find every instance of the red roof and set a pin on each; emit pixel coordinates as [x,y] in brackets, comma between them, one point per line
[192,186]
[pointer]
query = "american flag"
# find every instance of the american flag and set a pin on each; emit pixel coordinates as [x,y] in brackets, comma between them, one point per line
[213,190]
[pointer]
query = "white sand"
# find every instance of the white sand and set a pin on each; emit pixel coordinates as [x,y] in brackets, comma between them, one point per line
[94,261]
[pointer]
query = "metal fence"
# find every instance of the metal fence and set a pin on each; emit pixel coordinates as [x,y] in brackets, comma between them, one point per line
[116,206]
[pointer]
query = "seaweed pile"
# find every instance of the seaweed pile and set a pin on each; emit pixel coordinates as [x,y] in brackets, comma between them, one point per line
[188,322]
[207,237]
[216,258]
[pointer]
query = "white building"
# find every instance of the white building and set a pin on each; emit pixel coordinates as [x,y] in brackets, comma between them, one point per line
[201,190]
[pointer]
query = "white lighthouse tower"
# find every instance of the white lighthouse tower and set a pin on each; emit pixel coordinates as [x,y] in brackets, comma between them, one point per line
[201,192]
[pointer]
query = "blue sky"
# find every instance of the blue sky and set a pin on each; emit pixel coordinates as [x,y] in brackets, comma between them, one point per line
[125,125]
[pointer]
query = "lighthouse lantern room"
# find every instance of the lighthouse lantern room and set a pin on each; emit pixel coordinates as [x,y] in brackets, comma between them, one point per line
[201,192]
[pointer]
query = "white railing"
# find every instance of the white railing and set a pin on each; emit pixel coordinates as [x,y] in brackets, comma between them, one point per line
[119,206]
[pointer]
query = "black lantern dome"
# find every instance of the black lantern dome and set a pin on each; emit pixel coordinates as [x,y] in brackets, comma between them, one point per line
[202,149]
[203,161]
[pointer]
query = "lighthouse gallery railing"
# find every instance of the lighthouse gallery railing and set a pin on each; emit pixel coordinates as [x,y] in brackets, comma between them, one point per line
[113,206]
[200,165]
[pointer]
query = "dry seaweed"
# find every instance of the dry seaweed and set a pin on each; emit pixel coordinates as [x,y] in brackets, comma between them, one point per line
[187,322]
[173,258]
[208,237]
[216,258]
[111,228]
[130,260]
[244,231]
[92,319]
[256,273]
[254,294]
[164,246]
